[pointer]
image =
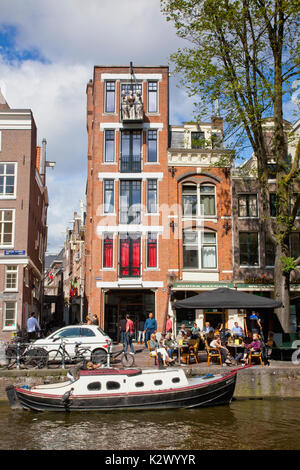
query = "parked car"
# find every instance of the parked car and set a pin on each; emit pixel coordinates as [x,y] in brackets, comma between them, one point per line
[91,336]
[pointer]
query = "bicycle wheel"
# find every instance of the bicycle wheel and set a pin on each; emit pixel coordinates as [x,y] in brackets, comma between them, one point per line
[36,357]
[11,357]
[127,359]
[54,359]
[83,354]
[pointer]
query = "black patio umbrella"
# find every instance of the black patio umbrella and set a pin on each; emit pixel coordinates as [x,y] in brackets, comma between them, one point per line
[226,298]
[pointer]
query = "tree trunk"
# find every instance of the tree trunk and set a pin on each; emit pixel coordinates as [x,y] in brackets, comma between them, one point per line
[281,291]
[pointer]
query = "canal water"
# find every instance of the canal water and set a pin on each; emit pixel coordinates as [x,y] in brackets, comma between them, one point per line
[244,424]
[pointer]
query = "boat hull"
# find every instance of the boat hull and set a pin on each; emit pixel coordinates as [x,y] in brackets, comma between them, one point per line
[218,392]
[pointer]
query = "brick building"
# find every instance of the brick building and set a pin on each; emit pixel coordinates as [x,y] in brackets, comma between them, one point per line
[23,213]
[158,200]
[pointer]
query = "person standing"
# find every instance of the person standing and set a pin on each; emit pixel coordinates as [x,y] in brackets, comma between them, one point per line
[33,326]
[95,320]
[150,328]
[169,325]
[141,335]
[129,335]
[122,330]
[255,322]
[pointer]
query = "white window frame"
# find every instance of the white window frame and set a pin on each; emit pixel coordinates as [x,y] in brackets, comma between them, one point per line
[238,202]
[12,327]
[157,147]
[105,96]
[157,98]
[199,205]
[104,148]
[2,246]
[15,271]
[114,199]
[11,196]
[200,245]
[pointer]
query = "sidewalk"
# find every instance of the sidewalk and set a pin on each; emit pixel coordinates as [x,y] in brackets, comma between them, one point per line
[142,361]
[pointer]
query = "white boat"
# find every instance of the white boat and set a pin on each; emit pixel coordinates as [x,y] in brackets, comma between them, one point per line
[126,389]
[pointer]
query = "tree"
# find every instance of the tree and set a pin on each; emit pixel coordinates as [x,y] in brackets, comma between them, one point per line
[245,54]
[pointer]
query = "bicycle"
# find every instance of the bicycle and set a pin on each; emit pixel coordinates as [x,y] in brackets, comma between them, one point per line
[18,353]
[127,359]
[58,357]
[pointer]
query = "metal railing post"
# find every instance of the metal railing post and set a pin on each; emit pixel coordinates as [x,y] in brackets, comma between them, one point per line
[63,356]
[18,355]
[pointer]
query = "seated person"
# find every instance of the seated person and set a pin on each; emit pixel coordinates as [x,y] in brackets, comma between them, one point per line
[225,333]
[255,345]
[183,330]
[195,331]
[169,344]
[155,347]
[237,330]
[207,329]
[210,336]
[216,344]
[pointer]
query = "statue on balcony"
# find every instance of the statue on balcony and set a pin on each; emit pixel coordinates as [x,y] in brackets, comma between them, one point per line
[131,100]
[125,106]
[139,106]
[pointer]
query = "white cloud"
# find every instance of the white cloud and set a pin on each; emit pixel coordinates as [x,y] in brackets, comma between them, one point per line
[73,36]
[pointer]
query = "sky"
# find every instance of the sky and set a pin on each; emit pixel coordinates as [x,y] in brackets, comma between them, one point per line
[47,53]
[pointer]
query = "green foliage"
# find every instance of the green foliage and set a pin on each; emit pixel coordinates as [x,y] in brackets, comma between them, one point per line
[288,264]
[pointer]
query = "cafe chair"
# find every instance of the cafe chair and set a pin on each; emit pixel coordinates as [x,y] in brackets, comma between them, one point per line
[212,353]
[255,354]
[193,351]
[150,356]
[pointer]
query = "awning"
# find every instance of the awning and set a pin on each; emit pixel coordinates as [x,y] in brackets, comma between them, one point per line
[226,298]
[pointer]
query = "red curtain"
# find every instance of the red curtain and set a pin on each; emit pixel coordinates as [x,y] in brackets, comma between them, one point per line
[136,257]
[108,253]
[152,253]
[124,255]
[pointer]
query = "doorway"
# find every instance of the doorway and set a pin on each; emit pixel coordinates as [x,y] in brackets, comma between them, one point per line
[215,317]
[137,304]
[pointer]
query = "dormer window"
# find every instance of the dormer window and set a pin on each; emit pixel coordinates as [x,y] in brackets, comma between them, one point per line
[197,140]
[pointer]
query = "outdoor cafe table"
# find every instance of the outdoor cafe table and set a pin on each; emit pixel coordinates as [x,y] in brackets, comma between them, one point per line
[236,347]
[178,348]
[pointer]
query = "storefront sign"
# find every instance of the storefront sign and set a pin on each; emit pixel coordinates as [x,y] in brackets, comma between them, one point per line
[14,252]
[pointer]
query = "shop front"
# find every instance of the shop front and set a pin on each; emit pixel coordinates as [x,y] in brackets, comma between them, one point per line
[118,303]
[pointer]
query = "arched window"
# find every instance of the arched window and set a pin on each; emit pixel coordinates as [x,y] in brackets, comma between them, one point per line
[198,200]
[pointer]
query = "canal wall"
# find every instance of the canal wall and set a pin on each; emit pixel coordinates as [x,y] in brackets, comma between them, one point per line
[254,382]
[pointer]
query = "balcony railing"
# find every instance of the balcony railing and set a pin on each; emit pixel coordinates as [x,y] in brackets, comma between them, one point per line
[130,164]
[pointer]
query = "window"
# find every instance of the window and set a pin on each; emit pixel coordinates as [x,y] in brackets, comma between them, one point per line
[198,140]
[112,385]
[134,87]
[295,244]
[269,252]
[109,146]
[207,200]
[94,386]
[68,333]
[198,200]
[273,204]
[11,278]
[152,250]
[130,255]
[158,382]
[247,205]
[108,197]
[189,199]
[86,332]
[110,97]
[10,310]
[130,201]
[131,151]
[175,380]
[7,179]
[151,196]
[208,250]
[139,384]
[248,248]
[152,146]
[6,227]
[108,250]
[199,242]
[152,97]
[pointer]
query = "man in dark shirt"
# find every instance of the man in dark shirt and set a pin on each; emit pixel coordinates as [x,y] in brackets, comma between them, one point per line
[150,327]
